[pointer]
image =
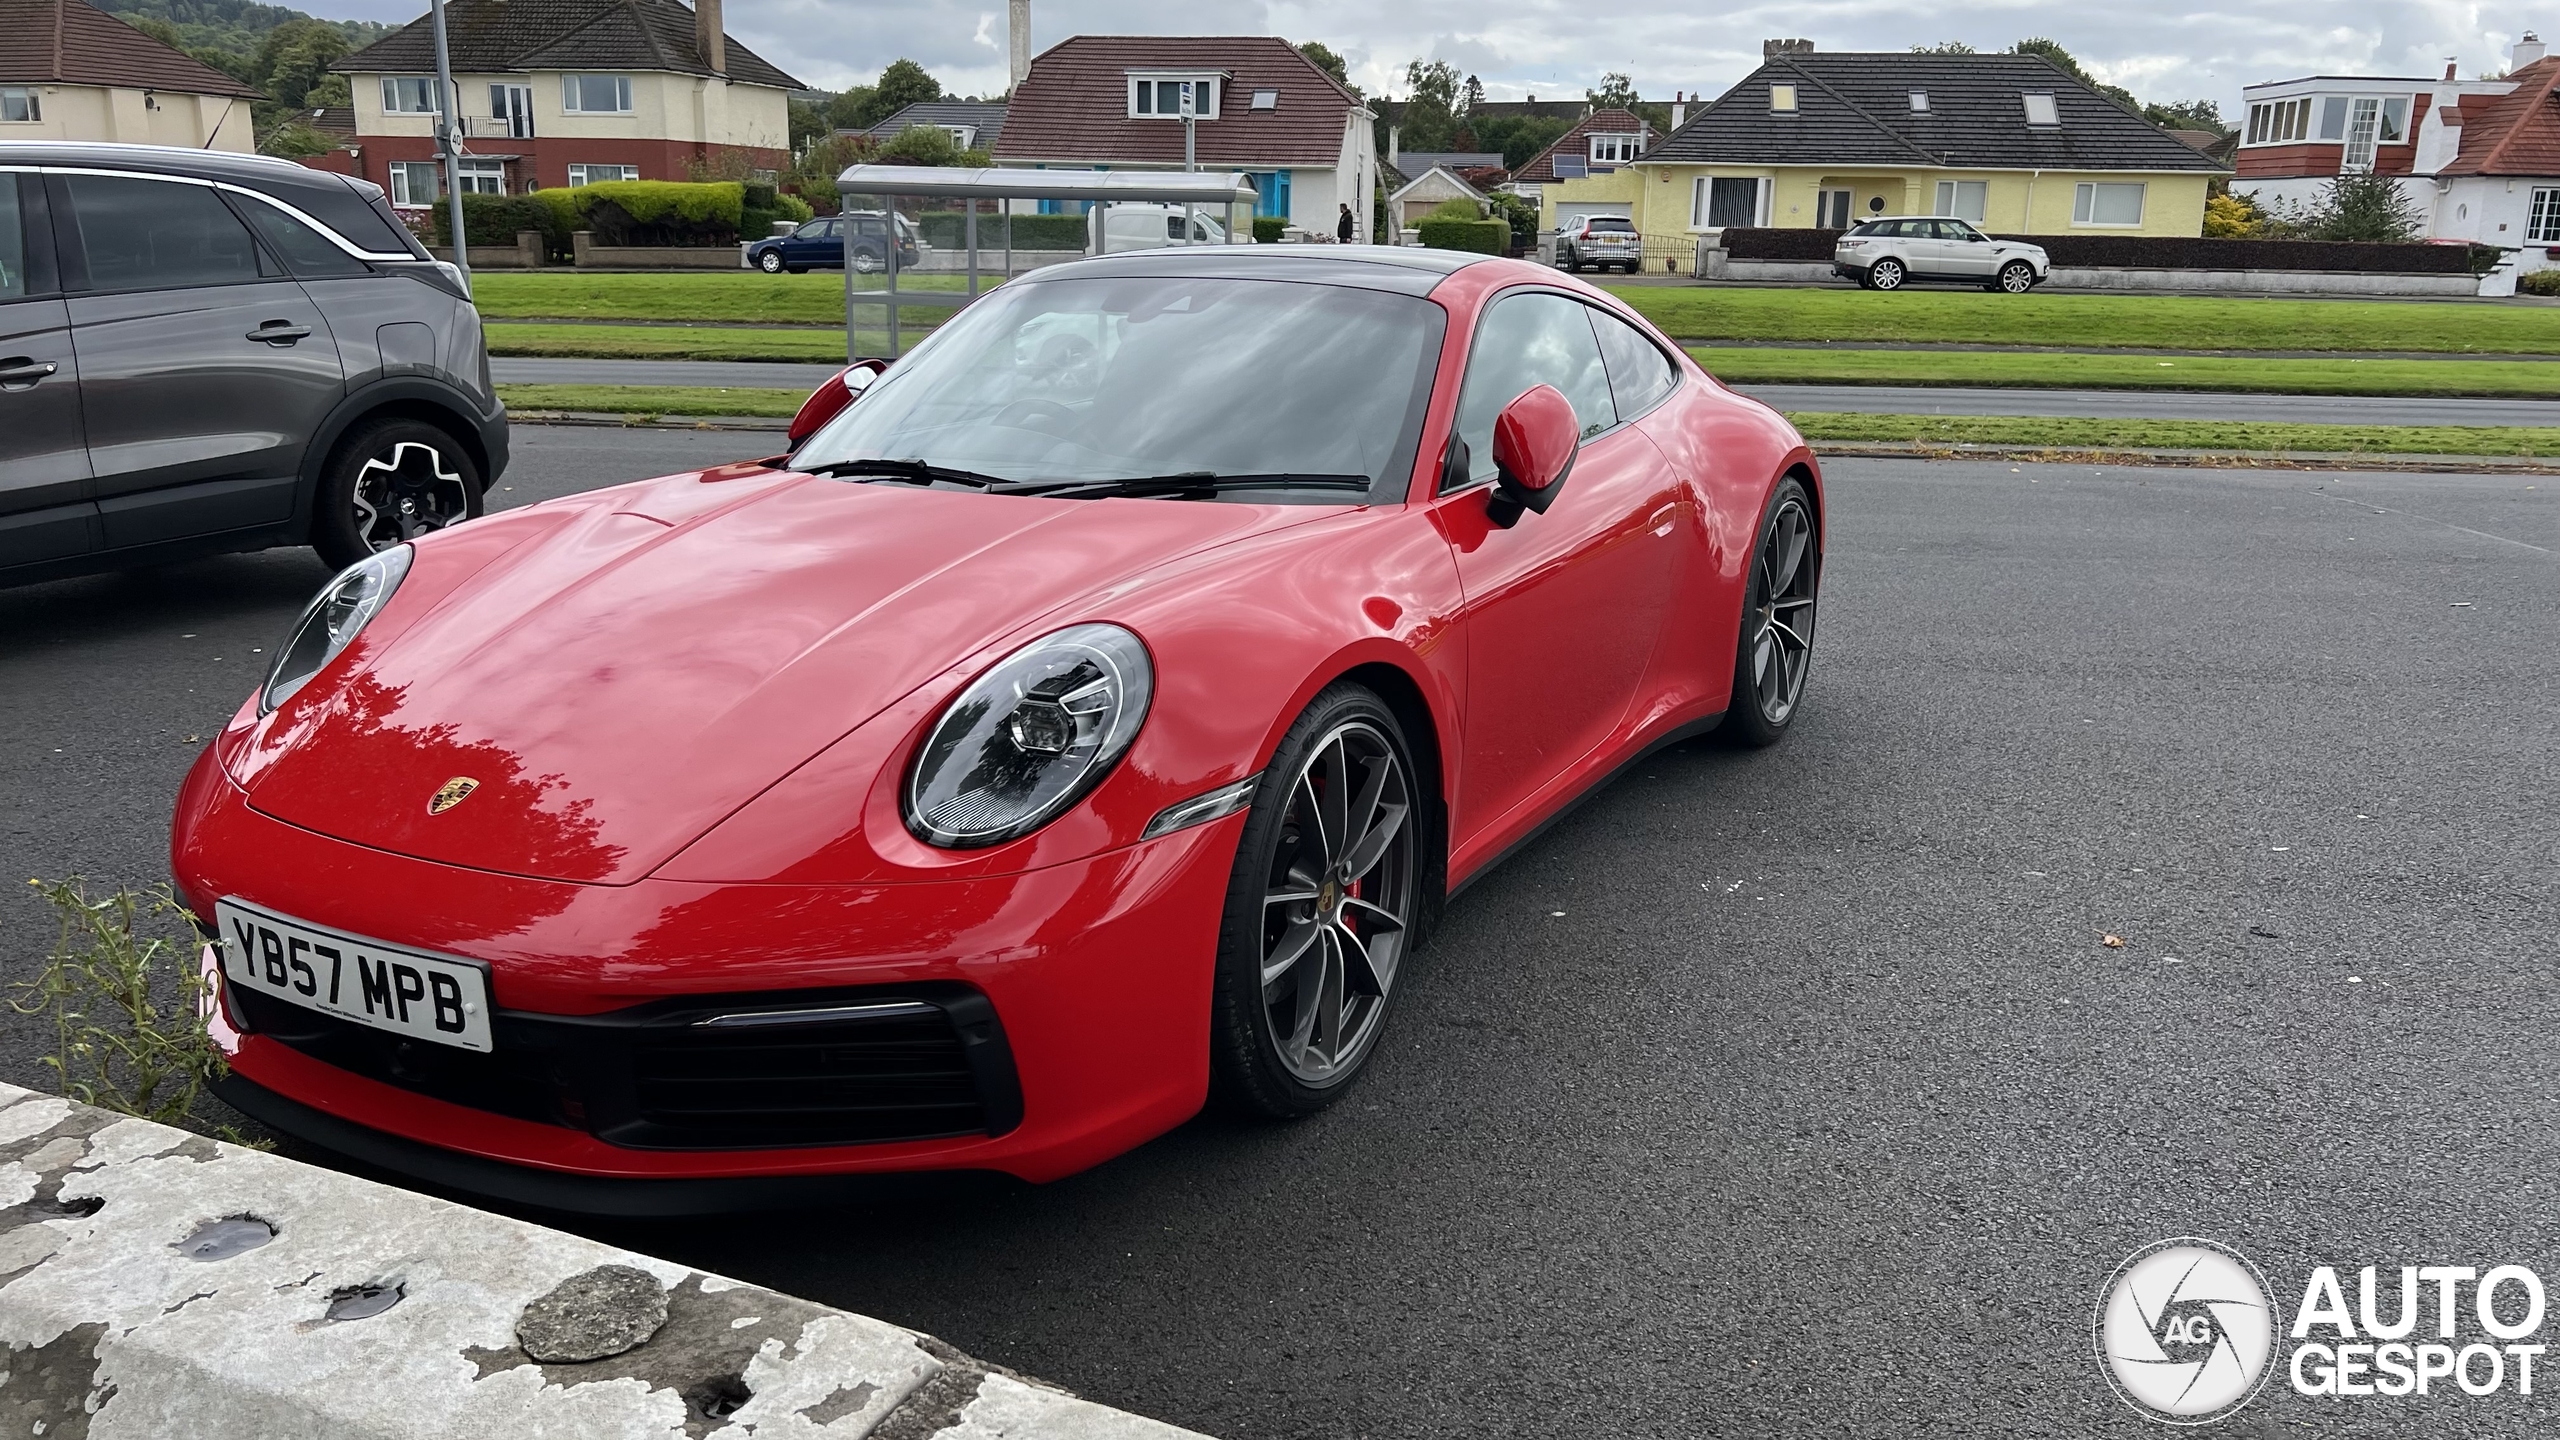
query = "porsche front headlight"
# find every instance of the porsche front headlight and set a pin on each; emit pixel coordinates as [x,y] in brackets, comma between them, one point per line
[1029,738]
[329,623]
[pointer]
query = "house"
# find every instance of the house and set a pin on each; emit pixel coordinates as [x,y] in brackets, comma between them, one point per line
[564,92]
[1809,140]
[70,71]
[2479,160]
[1114,102]
[1422,194]
[974,124]
[1600,143]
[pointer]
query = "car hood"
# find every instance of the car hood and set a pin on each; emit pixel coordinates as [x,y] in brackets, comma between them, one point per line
[616,687]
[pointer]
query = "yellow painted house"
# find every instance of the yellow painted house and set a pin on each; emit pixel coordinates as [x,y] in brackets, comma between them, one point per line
[1823,141]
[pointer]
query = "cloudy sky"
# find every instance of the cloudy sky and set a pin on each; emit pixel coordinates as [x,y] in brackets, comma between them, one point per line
[2159,49]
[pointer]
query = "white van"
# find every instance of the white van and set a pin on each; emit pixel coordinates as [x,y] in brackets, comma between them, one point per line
[1137,226]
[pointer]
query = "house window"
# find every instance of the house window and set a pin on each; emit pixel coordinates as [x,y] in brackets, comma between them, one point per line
[962,135]
[595,94]
[1266,99]
[484,177]
[1614,149]
[2395,121]
[2333,118]
[18,105]
[2542,222]
[2040,110]
[2102,204]
[2284,121]
[413,183]
[599,174]
[1963,199]
[1831,209]
[409,94]
[1160,96]
[2364,120]
[1724,200]
[1782,98]
[1919,102]
[1270,194]
[512,107]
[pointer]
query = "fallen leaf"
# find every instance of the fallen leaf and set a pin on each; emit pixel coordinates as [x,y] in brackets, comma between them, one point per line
[2113,942]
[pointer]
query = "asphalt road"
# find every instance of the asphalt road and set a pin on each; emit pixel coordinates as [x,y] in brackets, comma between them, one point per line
[1867,399]
[1784,1093]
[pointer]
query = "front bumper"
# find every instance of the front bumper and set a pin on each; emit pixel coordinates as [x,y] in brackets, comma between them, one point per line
[1098,973]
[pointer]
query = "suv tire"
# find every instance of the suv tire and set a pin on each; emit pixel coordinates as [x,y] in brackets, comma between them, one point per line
[1886,274]
[391,479]
[2017,278]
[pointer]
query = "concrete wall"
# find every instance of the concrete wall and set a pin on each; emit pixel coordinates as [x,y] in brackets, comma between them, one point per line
[166,117]
[1718,266]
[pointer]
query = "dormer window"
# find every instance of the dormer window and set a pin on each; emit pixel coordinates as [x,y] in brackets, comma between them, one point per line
[1782,99]
[1919,102]
[2040,110]
[1157,95]
[1617,149]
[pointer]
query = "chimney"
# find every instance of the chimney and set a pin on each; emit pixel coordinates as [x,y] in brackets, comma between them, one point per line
[1018,32]
[1395,144]
[1770,49]
[708,36]
[2448,67]
[2528,50]
[1679,108]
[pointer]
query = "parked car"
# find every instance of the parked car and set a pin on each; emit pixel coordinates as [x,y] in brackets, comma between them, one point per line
[203,352]
[813,816]
[1600,241]
[819,245]
[1886,254]
[1136,225]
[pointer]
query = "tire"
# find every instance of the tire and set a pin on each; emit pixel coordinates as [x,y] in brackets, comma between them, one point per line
[770,262]
[1886,274]
[1760,710]
[1572,263]
[1349,928]
[391,479]
[2017,277]
[865,262]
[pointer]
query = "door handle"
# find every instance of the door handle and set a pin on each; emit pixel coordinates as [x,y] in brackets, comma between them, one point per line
[1665,519]
[18,372]
[279,332]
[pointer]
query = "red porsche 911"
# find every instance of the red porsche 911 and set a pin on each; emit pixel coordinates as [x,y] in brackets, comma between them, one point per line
[1089,716]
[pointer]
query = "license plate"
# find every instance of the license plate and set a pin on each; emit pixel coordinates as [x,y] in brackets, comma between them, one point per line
[424,997]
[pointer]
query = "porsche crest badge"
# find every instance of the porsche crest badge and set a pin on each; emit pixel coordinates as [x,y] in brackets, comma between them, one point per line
[451,793]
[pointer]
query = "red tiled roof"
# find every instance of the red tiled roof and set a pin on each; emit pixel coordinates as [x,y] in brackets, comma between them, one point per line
[1074,105]
[66,42]
[2517,133]
[1541,168]
[502,35]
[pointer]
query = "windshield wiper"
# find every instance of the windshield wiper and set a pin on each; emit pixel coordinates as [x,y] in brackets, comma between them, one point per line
[1188,483]
[918,471]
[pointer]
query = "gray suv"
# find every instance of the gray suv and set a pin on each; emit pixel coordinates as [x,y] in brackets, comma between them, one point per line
[205,352]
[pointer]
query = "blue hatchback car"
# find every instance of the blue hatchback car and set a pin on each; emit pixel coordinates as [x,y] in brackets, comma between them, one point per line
[820,245]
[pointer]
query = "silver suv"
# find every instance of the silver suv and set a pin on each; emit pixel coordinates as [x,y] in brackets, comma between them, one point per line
[1886,254]
[1601,240]
[203,352]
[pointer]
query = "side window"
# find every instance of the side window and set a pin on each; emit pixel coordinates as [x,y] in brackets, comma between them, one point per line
[143,234]
[811,230]
[306,251]
[1525,341]
[1639,374]
[13,242]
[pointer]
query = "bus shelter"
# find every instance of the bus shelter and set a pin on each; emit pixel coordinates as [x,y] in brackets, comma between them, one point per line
[988,201]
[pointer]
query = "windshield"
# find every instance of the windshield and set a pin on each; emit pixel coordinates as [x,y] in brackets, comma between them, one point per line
[1609,225]
[1143,376]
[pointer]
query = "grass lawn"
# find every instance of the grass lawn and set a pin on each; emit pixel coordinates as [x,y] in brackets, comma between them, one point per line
[2506,378]
[653,342]
[816,298]
[2096,321]
[654,399]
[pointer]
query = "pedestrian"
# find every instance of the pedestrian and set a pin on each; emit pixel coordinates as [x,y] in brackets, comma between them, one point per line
[1342,227]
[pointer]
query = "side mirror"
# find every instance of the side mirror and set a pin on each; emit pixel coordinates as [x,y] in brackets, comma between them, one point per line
[1534,441]
[828,399]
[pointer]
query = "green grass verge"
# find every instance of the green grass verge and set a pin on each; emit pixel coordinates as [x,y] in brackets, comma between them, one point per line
[2013,370]
[653,342]
[654,399]
[2096,321]
[816,298]
[2071,433]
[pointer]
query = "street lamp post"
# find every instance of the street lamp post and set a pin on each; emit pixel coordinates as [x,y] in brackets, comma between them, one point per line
[1190,161]
[449,143]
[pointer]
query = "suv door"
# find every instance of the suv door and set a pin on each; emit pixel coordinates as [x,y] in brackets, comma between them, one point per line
[204,368]
[1968,251]
[45,511]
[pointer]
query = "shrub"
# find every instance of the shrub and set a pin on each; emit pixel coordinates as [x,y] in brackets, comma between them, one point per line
[661,212]
[495,219]
[944,230]
[2232,217]
[1484,237]
[761,205]
[1267,229]
[2540,282]
[1457,207]
[2367,207]
[1523,215]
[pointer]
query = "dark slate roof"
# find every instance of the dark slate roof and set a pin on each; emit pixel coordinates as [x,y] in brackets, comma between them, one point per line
[987,116]
[1414,162]
[66,42]
[503,35]
[1855,109]
[1073,107]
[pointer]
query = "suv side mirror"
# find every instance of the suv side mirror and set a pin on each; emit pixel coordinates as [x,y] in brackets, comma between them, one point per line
[830,398]
[1535,439]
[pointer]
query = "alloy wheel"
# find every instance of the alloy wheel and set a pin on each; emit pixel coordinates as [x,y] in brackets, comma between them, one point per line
[770,262]
[1338,903]
[2017,277]
[1887,275]
[1782,590]
[407,491]
[864,262]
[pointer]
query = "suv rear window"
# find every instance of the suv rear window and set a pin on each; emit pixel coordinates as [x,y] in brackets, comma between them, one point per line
[1872,227]
[1609,224]
[337,205]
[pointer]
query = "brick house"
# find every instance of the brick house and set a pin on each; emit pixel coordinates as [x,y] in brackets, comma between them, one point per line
[70,71]
[564,92]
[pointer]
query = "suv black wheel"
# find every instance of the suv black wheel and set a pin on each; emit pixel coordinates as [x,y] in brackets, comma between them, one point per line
[390,480]
[770,262]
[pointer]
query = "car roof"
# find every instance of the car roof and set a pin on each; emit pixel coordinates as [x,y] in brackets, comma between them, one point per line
[1880,219]
[166,159]
[1406,270]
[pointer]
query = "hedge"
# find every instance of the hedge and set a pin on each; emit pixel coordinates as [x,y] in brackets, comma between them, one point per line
[1267,229]
[1485,237]
[760,205]
[661,212]
[947,230]
[495,219]
[2167,252]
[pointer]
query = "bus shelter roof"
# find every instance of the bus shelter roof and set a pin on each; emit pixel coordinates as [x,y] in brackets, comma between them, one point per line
[1176,187]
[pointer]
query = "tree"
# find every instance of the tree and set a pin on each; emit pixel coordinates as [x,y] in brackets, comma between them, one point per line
[2186,115]
[808,122]
[2364,207]
[901,84]
[1431,110]
[1326,60]
[1616,92]
[1471,97]
[294,58]
[927,145]
[1518,137]
[1943,47]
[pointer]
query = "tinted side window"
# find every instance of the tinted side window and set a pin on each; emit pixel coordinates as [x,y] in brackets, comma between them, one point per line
[151,234]
[306,251]
[347,210]
[1639,374]
[1526,341]
[13,241]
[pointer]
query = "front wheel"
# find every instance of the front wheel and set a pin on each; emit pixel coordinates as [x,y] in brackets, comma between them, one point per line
[770,262]
[865,262]
[389,481]
[1886,274]
[1322,907]
[2017,277]
[1775,649]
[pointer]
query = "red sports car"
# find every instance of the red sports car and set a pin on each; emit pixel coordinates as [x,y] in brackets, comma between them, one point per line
[1089,716]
